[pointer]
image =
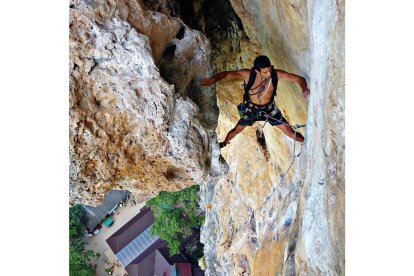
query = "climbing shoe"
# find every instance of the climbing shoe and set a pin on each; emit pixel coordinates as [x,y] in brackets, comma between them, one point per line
[222,144]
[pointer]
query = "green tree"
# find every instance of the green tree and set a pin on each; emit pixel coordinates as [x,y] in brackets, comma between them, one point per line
[79,259]
[76,221]
[175,214]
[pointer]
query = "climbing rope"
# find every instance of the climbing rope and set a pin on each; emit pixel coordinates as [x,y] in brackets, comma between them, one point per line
[283,177]
[267,116]
[295,127]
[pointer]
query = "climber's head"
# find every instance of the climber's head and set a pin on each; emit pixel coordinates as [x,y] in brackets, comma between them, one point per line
[262,66]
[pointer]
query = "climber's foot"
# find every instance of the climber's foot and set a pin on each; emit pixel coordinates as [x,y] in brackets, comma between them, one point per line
[222,144]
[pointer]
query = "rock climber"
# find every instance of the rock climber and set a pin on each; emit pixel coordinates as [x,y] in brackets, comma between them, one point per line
[260,85]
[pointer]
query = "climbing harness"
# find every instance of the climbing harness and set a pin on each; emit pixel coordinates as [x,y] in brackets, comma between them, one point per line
[267,116]
[250,110]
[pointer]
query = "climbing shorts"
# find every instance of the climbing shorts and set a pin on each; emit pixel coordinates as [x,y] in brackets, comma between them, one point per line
[270,113]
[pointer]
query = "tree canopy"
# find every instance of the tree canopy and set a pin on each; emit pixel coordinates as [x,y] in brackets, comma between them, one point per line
[176,214]
[79,263]
[76,221]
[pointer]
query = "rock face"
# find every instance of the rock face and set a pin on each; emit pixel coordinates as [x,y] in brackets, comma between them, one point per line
[259,223]
[129,128]
[139,121]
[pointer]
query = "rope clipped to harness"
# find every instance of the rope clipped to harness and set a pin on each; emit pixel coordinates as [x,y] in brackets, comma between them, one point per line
[267,116]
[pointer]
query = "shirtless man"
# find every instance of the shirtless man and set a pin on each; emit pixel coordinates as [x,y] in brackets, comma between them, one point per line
[260,105]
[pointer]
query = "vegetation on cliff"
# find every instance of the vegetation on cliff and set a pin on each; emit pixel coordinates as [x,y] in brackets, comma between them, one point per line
[176,215]
[79,263]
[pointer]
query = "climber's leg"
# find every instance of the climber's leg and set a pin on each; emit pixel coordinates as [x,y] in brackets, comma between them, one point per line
[232,133]
[288,130]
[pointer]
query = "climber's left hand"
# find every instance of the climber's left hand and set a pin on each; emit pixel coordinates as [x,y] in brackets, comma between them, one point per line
[306,93]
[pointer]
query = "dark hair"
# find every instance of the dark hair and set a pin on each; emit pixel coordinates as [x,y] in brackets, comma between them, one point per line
[261,62]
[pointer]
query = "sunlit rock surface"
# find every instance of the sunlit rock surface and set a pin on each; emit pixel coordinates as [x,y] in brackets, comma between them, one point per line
[140,121]
[129,128]
[298,228]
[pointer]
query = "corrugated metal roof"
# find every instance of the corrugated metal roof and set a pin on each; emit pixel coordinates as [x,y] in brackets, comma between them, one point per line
[94,215]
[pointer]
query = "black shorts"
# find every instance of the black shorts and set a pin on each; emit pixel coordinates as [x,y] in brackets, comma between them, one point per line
[270,113]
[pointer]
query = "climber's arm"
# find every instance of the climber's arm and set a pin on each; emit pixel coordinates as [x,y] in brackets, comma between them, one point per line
[243,73]
[283,75]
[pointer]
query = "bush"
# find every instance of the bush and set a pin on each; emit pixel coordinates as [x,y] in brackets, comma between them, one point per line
[176,214]
[79,263]
[76,221]
[79,260]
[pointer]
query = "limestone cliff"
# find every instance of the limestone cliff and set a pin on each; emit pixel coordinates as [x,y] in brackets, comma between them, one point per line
[129,128]
[139,121]
[259,223]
